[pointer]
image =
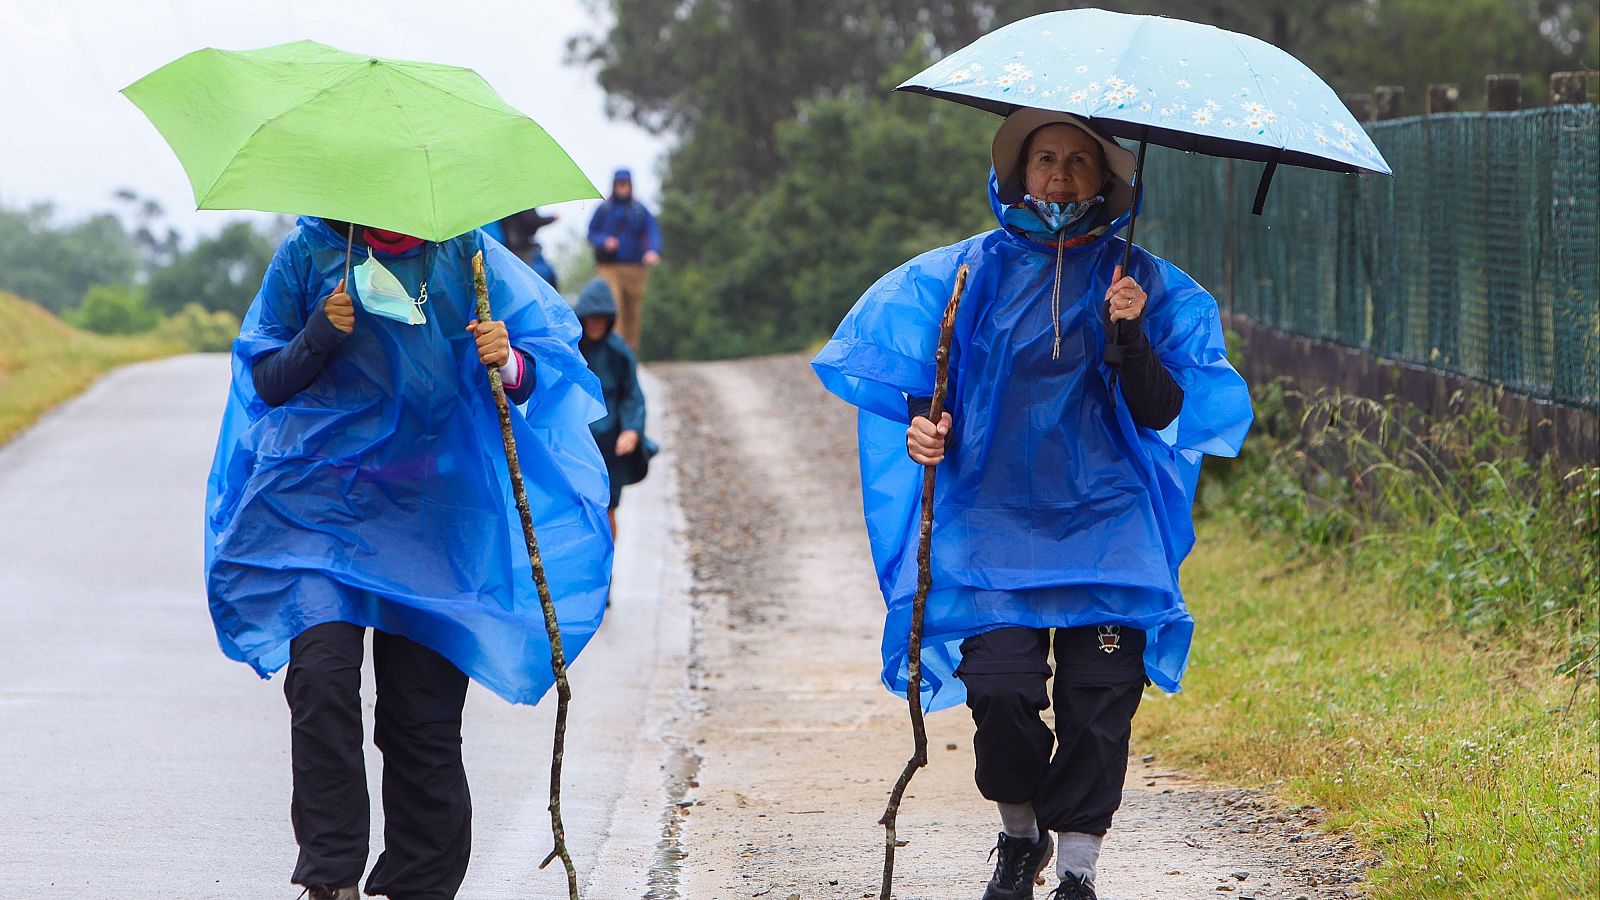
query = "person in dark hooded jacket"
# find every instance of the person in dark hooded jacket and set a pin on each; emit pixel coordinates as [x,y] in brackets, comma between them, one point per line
[620,434]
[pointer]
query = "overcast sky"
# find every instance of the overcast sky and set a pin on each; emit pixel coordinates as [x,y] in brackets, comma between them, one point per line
[67,136]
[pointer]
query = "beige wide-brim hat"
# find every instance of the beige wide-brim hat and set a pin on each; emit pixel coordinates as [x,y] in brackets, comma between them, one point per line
[1013,134]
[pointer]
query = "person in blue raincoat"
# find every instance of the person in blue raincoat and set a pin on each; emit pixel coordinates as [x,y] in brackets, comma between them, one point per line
[360,482]
[1064,485]
[626,242]
[620,434]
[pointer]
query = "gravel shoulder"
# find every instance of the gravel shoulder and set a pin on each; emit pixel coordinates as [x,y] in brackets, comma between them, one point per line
[795,744]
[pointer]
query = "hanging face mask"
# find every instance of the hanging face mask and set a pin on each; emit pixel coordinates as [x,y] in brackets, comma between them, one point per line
[1036,218]
[382,294]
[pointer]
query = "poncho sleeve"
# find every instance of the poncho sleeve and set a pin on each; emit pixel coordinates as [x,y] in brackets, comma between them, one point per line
[541,324]
[279,312]
[883,350]
[1186,331]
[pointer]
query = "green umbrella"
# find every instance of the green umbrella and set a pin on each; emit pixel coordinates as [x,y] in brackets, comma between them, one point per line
[303,128]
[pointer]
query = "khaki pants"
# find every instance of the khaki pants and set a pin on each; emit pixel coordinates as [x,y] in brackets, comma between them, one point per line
[627,282]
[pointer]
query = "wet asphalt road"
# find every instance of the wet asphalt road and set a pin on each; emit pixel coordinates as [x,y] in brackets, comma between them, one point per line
[140,763]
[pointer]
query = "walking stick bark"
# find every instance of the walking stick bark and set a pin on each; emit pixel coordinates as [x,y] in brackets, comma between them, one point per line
[552,627]
[919,732]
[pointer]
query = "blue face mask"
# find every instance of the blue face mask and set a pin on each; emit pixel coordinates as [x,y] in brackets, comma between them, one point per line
[382,294]
[1047,222]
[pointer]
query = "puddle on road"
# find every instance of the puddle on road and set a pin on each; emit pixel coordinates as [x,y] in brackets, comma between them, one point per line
[682,766]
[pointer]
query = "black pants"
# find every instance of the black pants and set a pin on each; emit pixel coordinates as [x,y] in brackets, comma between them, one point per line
[1096,694]
[427,810]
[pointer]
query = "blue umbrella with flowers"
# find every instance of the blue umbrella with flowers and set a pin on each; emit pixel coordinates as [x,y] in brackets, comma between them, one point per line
[1162,81]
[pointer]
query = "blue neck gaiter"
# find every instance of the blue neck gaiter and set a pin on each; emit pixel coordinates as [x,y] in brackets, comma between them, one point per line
[1049,222]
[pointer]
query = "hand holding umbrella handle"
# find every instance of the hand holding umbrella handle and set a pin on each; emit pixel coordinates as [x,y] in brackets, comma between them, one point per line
[919,604]
[1113,351]
[558,662]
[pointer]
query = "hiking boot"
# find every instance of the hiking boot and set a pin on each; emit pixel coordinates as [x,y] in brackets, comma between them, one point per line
[323,892]
[1074,887]
[1021,861]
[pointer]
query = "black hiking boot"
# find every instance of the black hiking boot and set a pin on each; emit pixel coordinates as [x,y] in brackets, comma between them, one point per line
[1074,887]
[1021,861]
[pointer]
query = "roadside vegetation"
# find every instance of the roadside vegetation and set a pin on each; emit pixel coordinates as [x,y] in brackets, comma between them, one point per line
[1398,623]
[78,298]
[44,361]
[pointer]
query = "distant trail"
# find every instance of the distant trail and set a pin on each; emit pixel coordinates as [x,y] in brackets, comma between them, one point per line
[799,743]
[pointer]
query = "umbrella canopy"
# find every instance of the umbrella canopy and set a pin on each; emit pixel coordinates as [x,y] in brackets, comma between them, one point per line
[1167,81]
[303,128]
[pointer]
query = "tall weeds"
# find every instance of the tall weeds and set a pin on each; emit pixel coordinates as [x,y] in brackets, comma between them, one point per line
[1453,508]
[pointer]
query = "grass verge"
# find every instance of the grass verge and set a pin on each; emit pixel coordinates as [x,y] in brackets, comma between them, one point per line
[1468,764]
[44,361]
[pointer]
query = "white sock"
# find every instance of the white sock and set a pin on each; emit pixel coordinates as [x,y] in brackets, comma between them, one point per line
[1019,821]
[1077,853]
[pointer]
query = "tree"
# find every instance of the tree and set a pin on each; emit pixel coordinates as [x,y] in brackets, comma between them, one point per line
[723,74]
[114,309]
[221,272]
[201,330]
[782,198]
[55,265]
[157,241]
[871,180]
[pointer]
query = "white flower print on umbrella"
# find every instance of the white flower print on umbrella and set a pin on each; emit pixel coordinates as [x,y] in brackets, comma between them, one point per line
[1269,92]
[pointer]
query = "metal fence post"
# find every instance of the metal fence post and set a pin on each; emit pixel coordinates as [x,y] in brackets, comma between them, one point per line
[1442,98]
[1388,299]
[1442,242]
[1502,275]
[1502,92]
[1567,295]
[1569,87]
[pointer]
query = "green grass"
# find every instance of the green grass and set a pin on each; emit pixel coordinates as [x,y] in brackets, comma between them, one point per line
[44,361]
[1464,759]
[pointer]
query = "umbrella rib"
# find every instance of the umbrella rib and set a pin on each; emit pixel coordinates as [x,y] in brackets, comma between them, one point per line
[1261,89]
[1144,22]
[507,110]
[427,157]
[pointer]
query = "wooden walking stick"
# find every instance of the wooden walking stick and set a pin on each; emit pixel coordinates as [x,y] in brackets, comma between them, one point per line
[919,733]
[552,627]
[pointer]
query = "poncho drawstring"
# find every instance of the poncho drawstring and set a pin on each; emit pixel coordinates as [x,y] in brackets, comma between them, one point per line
[1055,293]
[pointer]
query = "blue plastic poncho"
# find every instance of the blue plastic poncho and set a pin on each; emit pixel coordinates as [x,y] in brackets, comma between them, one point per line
[379,495]
[1052,509]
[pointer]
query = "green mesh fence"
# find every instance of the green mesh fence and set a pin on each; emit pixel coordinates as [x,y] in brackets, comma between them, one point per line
[1480,257]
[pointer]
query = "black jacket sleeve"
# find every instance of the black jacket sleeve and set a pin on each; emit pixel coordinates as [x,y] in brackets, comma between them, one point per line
[919,406]
[1153,395]
[283,373]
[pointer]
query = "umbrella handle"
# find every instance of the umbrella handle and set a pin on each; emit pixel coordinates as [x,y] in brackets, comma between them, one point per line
[1113,351]
[1261,189]
[349,242]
